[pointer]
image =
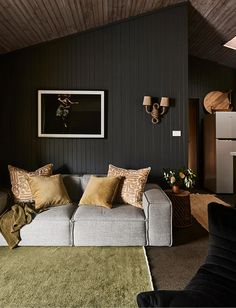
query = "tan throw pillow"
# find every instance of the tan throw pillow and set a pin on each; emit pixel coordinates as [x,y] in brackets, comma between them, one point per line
[20,187]
[131,186]
[48,191]
[100,191]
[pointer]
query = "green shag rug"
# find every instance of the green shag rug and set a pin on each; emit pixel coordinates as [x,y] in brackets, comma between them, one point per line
[72,276]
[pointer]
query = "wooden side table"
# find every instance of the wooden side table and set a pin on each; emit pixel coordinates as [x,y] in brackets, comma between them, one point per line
[181,208]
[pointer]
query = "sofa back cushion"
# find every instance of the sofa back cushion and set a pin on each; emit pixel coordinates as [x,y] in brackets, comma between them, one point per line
[3,201]
[73,186]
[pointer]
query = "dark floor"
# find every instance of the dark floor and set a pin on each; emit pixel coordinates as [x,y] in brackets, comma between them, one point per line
[228,198]
[173,267]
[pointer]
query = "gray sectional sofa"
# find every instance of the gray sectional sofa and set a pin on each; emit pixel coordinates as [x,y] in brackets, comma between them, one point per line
[123,225]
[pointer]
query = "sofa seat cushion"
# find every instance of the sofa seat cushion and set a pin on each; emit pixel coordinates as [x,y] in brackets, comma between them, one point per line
[49,228]
[119,212]
[123,225]
[62,213]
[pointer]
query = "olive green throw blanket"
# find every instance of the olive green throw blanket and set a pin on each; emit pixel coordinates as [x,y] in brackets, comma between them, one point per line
[13,220]
[72,277]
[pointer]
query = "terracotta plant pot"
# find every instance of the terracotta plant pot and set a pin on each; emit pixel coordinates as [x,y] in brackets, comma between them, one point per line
[175,189]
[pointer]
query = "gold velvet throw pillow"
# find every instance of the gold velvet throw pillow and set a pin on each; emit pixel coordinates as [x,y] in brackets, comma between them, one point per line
[20,187]
[48,191]
[100,191]
[132,184]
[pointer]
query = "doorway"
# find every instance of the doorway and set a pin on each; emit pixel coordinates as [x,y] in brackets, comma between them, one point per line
[193,134]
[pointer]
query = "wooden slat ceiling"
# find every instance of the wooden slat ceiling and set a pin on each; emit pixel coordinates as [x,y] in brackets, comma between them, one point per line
[211,24]
[29,22]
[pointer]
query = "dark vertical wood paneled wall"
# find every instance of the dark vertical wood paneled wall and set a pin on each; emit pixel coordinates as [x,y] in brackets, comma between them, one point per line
[5,118]
[147,55]
[206,76]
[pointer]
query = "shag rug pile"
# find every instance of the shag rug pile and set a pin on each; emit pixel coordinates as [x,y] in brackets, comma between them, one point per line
[199,203]
[72,276]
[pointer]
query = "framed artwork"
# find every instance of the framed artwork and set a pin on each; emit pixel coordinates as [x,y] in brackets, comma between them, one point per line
[70,114]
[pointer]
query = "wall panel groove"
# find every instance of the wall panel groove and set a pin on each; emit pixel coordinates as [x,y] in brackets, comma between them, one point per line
[143,56]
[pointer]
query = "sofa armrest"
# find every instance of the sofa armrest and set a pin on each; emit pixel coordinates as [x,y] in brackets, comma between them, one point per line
[3,201]
[158,211]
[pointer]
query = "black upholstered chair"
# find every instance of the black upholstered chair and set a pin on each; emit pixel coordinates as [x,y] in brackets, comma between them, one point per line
[214,284]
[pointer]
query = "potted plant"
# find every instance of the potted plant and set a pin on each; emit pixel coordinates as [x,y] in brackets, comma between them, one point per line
[179,177]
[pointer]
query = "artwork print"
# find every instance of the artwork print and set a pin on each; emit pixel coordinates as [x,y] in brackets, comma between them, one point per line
[71,114]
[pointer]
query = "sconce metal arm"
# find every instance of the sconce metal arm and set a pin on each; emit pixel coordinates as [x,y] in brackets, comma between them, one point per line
[155,114]
[164,109]
[156,111]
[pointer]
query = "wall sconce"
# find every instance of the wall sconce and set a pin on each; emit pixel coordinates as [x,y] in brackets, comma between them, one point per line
[154,109]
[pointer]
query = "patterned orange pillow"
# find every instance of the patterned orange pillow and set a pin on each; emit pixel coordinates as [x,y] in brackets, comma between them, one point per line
[20,187]
[131,187]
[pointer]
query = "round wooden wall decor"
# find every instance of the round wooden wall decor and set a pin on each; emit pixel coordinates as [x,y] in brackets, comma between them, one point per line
[217,101]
